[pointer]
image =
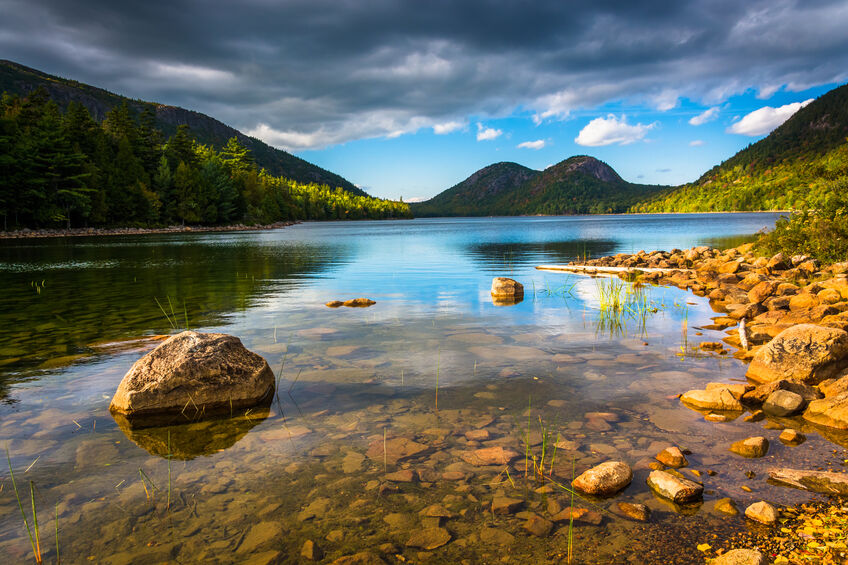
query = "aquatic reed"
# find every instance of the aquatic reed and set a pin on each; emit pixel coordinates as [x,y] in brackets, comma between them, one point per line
[33,540]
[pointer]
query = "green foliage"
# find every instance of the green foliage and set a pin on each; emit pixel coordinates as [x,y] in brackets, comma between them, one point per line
[68,170]
[820,232]
[790,169]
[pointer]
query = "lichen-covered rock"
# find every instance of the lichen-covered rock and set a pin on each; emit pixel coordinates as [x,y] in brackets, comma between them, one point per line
[605,479]
[503,287]
[193,374]
[806,353]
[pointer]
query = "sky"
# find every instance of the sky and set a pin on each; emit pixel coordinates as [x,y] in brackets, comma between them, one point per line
[407,98]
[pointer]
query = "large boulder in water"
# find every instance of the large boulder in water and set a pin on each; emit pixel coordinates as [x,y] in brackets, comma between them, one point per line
[192,375]
[503,287]
[807,353]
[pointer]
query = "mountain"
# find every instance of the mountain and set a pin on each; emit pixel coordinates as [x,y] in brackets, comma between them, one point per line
[18,79]
[792,167]
[578,185]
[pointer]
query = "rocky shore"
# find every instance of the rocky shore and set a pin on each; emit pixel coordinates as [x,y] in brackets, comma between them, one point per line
[787,317]
[81,232]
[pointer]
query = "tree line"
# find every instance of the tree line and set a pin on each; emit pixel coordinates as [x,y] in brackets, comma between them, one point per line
[64,169]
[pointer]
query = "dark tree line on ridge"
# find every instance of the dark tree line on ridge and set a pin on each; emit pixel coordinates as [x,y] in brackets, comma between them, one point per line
[66,170]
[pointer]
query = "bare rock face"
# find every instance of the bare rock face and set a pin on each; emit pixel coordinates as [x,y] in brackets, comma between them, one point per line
[831,411]
[807,353]
[605,479]
[503,287]
[193,374]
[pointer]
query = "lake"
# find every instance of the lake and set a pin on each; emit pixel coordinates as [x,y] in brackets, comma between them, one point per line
[375,407]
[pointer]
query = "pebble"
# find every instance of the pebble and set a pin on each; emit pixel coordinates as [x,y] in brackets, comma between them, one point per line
[762,512]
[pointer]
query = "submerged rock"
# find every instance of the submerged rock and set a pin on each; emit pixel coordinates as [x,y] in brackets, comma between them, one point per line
[605,479]
[674,488]
[362,558]
[726,506]
[740,557]
[538,526]
[805,352]
[489,456]
[638,512]
[792,437]
[429,538]
[190,376]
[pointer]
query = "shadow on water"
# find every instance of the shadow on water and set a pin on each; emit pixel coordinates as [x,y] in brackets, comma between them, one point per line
[187,441]
[62,300]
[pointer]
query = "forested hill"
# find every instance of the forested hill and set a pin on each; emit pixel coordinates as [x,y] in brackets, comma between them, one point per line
[578,185]
[65,169]
[21,80]
[793,167]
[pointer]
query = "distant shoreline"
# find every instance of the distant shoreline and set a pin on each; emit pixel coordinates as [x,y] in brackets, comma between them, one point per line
[95,232]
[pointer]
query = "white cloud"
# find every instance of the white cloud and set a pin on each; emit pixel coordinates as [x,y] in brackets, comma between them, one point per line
[665,100]
[486,134]
[415,199]
[611,130]
[538,144]
[447,127]
[696,143]
[707,115]
[762,121]
[190,73]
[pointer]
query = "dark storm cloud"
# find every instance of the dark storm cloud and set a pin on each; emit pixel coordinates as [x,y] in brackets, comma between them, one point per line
[309,73]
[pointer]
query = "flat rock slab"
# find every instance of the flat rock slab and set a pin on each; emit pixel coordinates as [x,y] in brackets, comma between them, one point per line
[429,538]
[394,450]
[825,482]
[193,375]
[489,456]
[674,488]
[831,411]
[713,399]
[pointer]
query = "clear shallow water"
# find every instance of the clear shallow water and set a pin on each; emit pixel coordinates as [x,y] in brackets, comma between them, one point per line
[432,360]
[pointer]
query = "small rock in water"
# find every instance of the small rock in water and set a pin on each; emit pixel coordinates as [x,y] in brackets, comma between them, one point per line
[503,287]
[638,512]
[783,403]
[477,435]
[713,417]
[712,399]
[755,416]
[361,558]
[429,538]
[740,557]
[496,536]
[605,479]
[334,304]
[581,515]
[489,456]
[359,303]
[311,552]
[402,476]
[792,437]
[505,505]
[751,447]
[538,526]
[672,457]
[674,488]
[762,512]
[726,506]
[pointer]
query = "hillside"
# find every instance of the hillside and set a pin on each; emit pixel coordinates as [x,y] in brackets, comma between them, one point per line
[21,80]
[792,167]
[578,185]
